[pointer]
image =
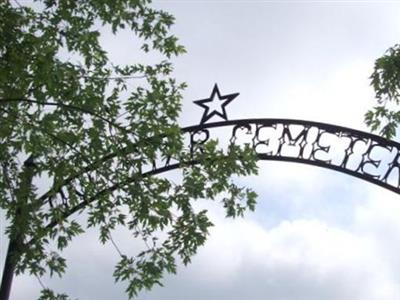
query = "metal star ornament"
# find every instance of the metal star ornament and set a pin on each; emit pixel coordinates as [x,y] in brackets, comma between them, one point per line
[215,105]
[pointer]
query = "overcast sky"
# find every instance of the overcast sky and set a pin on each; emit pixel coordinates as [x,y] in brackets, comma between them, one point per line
[316,234]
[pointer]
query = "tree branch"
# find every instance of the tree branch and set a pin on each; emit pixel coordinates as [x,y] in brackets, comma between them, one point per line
[67,106]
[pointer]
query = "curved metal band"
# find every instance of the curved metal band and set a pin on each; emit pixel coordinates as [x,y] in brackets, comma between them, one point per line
[353,152]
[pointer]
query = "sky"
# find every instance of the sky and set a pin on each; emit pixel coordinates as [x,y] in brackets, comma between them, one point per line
[316,233]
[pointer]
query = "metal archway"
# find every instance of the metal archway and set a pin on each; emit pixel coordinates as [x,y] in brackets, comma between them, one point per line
[360,154]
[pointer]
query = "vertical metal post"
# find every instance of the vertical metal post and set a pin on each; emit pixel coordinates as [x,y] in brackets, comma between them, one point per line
[8,271]
[20,223]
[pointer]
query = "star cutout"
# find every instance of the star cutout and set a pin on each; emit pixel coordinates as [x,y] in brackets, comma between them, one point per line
[215,105]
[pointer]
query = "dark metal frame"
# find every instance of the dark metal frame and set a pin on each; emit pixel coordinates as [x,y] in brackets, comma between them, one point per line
[307,148]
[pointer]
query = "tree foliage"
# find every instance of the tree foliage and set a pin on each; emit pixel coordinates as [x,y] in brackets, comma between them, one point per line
[385,80]
[75,136]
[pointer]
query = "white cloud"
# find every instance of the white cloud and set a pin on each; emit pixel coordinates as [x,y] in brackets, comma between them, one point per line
[301,259]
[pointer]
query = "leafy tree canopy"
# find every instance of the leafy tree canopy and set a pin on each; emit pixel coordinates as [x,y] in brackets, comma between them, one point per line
[385,117]
[75,136]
